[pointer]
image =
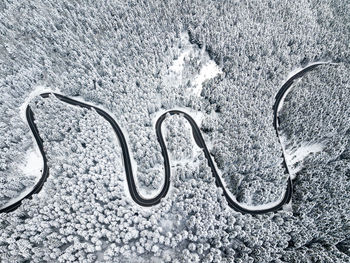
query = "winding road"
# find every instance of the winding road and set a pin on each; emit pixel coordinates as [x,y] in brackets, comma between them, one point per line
[126,156]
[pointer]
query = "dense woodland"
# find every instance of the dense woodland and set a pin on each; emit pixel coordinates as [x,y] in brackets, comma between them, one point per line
[123,57]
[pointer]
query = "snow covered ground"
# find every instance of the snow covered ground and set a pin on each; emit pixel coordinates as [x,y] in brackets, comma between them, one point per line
[30,166]
[208,71]
[294,156]
[193,66]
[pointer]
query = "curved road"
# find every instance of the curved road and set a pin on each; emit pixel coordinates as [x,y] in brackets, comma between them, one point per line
[126,156]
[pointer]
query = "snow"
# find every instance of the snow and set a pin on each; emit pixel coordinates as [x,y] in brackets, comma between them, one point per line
[39,90]
[297,155]
[100,254]
[208,71]
[32,166]
[303,151]
[178,64]
[197,116]
[294,157]
[116,140]
[36,92]
[280,105]
[294,72]
[166,224]
[32,163]
[246,206]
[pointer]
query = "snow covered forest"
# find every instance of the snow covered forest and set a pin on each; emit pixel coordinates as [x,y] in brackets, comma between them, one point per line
[222,62]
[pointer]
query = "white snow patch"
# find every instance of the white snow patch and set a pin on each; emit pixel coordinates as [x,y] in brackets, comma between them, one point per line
[178,64]
[295,156]
[198,60]
[32,166]
[208,71]
[303,151]
[100,254]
